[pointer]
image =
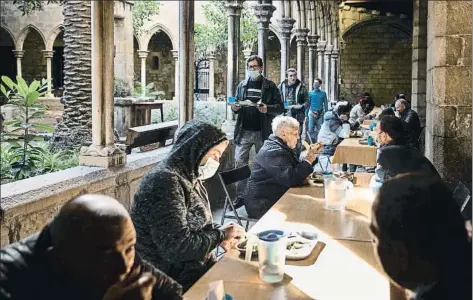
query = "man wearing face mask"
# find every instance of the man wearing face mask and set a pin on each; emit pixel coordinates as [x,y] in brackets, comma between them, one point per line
[318,107]
[262,103]
[394,155]
[171,210]
[277,168]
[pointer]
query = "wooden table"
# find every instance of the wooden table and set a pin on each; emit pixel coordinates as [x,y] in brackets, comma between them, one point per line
[142,112]
[342,265]
[350,151]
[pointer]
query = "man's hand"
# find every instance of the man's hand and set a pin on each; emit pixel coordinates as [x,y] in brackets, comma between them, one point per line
[233,235]
[235,107]
[263,108]
[134,287]
[312,152]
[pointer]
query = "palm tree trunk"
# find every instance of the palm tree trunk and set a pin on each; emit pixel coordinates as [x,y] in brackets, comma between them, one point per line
[76,125]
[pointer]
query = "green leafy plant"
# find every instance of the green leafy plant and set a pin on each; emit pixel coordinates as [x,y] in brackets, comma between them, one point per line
[150,92]
[22,132]
[47,161]
[142,12]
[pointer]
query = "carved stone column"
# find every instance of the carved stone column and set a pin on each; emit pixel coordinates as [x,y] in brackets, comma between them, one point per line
[48,55]
[211,59]
[334,76]
[234,8]
[175,55]
[143,55]
[264,12]
[186,61]
[286,26]
[328,53]
[312,44]
[103,152]
[19,55]
[301,39]
[320,59]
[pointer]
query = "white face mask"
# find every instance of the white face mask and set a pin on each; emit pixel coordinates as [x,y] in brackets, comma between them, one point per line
[254,74]
[209,169]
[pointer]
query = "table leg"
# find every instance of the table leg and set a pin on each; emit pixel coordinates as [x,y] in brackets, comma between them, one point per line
[162,114]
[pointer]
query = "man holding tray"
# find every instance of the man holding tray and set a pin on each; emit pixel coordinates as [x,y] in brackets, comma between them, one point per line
[257,102]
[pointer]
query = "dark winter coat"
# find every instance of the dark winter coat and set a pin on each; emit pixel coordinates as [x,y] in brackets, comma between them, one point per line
[413,124]
[297,111]
[275,170]
[27,274]
[171,210]
[270,96]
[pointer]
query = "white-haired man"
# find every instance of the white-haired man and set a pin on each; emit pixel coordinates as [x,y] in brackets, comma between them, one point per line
[276,167]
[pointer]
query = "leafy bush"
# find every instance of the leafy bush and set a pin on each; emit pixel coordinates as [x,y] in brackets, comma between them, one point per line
[150,92]
[213,112]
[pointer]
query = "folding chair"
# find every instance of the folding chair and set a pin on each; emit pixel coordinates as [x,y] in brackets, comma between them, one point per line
[227,178]
[462,196]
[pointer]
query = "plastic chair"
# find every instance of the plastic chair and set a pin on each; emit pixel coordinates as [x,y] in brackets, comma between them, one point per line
[227,178]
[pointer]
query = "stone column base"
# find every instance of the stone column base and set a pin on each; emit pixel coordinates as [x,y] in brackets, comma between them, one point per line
[105,157]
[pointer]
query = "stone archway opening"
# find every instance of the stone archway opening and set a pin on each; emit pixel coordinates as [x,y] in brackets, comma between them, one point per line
[58,65]
[377,58]
[33,62]
[7,45]
[160,64]
[136,63]
[273,57]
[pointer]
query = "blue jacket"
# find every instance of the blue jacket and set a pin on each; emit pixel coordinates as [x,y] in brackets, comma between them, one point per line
[275,169]
[318,101]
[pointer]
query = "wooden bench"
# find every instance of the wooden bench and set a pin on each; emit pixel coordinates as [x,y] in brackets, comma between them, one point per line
[150,134]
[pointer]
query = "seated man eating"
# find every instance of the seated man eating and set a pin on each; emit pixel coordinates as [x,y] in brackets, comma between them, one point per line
[276,167]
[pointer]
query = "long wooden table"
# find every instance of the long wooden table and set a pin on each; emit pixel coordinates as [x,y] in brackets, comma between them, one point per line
[342,265]
[350,151]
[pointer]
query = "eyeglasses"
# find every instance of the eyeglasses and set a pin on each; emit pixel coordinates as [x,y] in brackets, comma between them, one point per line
[253,68]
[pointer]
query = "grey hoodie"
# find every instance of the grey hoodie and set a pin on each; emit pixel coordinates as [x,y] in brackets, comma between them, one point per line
[171,211]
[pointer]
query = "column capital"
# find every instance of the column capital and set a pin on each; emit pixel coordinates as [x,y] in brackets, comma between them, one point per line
[312,40]
[234,7]
[328,49]
[286,25]
[263,13]
[48,53]
[175,54]
[143,54]
[19,53]
[335,53]
[321,46]
[301,35]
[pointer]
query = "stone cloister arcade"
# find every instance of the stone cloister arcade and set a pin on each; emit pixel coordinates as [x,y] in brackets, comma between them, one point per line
[353,46]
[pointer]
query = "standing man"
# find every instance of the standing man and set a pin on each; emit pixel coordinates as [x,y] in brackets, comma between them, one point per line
[258,101]
[296,99]
[318,107]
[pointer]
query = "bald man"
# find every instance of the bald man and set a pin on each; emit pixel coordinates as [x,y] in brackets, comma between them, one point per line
[411,117]
[86,252]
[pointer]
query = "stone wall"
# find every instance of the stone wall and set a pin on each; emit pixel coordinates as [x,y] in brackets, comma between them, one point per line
[376,59]
[123,62]
[28,205]
[33,63]
[449,97]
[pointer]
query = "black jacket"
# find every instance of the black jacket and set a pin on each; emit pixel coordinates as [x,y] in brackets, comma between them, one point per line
[171,210]
[27,274]
[270,96]
[275,170]
[413,123]
[297,111]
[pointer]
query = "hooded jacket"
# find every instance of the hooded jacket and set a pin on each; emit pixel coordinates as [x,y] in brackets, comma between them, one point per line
[171,209]
[329,133]
[297,110]
[270,96]
[276,168]
[26,273]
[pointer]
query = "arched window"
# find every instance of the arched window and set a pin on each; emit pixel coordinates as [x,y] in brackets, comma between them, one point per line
[155,63]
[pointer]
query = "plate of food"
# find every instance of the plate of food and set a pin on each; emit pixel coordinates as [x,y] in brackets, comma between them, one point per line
[345,175]
[316,177]
[356,134]
[246,103]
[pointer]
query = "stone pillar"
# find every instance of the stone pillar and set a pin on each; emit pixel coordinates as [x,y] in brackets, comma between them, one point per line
[312,43]
[48,55]
[286,26]
[448,129]
[327,83]
[175,55]
[264,12]
[103,152]
[301,39]
[334,77]
[211,59]
[186,61]
[233,12]
[246,54]
[320,59]
[143,54]
[419,59]
[19,55]
[124,53]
